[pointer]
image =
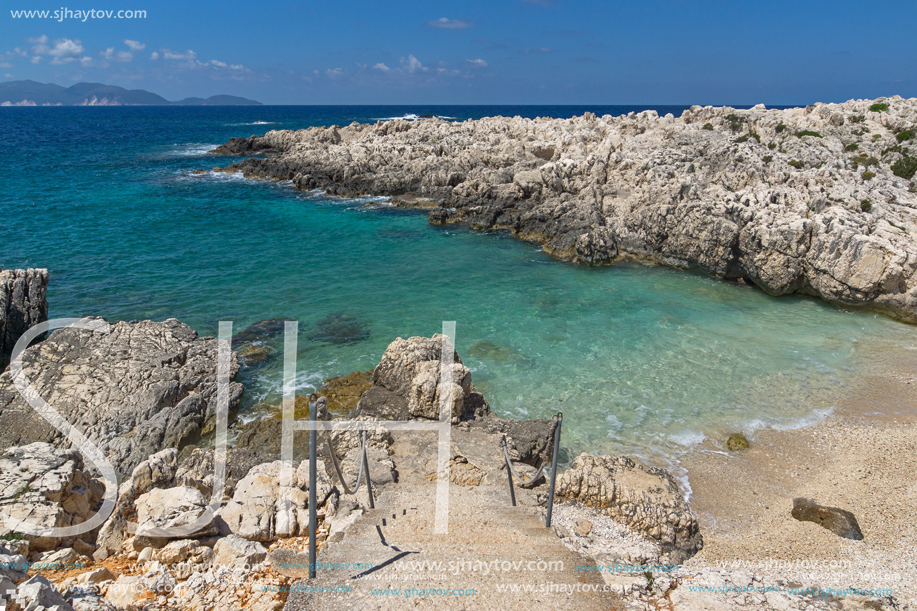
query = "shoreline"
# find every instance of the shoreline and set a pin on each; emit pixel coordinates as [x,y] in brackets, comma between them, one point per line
[861,458]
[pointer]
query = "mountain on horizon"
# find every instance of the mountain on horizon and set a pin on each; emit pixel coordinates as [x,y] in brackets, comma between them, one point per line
[31,93]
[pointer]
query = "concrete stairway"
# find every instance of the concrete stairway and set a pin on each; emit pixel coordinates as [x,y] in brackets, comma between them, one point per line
[494,556]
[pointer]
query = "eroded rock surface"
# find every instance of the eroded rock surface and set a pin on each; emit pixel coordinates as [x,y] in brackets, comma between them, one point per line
[142,387]
[817,200]
[23,304]
[645,498]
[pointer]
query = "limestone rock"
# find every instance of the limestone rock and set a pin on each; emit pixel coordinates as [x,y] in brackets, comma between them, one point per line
[142,387]
[46,486]
[235,551]
[407,384]
[769,196]
[171,508]
[645,498]
[23,304]
[39,593]
[290,562]
[197,469]
[256,510]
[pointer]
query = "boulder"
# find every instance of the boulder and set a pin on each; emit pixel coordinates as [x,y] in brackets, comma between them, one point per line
[142,387]
[647,499]
[256,512]
[38,593]
[46,486]
[233,551]
[197,468]
[839,521]
[23,304]
[407,384]
[161,510]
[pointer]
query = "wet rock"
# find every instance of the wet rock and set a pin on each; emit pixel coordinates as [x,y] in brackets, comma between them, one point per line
[23,304]
[344,392]
[339,328]
[645,498]
[839,521]
[737,442]
[142,387]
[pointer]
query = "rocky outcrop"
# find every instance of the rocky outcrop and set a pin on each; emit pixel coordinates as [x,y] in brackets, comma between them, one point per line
[817,200]
[645,498]
[133,391]
[406,384]
[23,304]
[46,486]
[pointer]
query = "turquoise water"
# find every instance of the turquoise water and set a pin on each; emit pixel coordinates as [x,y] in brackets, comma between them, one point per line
[639,358]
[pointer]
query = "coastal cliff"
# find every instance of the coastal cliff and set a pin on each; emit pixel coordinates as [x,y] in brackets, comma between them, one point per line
[816,200]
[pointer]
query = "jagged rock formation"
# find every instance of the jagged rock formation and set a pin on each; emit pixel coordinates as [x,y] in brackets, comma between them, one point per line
[46,486]
[406,384]
[142,387]
[23,304]
[645,498]
[817,200]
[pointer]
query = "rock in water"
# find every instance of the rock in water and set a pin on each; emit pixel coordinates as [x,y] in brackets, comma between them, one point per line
[141,387]
[339,328]
[645,498]
[23,304]
[770,196]
[839,521]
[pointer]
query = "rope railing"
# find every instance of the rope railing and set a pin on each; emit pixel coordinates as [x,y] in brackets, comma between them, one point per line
[556,424]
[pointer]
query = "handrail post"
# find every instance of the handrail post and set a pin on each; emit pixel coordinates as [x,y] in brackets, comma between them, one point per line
[313,484]
[369,482]
[509,473]
[560,420]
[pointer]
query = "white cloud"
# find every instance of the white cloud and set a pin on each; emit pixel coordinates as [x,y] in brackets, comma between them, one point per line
[219,64]
[476,63]
[334,73]
[450,24]
[175,55]
[154,55]
[382,67]
[6,65]
[61,51]
[36,59]
[237,67]
[86,61]
[120,56]
[412,65]
[134,45]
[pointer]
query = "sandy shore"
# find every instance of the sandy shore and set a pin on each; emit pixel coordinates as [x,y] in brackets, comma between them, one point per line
[862,458]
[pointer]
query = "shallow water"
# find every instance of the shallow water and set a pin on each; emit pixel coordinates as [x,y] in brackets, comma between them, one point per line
[639,358]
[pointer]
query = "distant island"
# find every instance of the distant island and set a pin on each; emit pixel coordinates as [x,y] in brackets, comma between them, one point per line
[30,93]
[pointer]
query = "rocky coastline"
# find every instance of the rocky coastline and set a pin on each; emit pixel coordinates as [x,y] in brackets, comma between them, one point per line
[145,391]
[816,200]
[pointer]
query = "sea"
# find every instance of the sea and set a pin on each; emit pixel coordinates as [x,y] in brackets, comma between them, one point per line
[642,359]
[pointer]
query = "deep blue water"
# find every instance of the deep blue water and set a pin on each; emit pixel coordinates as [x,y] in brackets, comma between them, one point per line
[639,358]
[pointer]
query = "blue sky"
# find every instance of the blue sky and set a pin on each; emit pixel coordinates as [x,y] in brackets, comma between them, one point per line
[477,52]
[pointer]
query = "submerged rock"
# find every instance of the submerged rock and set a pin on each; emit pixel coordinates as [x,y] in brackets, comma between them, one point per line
[775,197]
[839,521]
[339,328]
[737,442]
[23,304]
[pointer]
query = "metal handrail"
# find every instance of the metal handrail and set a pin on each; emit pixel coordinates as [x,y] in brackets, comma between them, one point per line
[556,424]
